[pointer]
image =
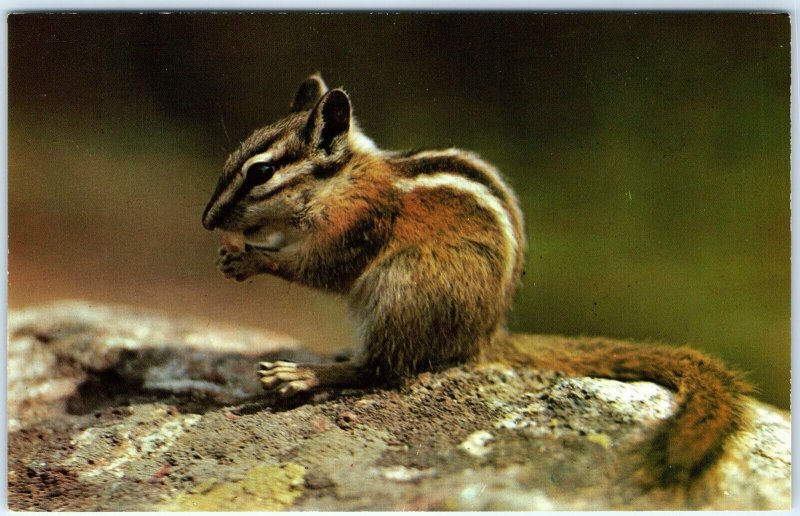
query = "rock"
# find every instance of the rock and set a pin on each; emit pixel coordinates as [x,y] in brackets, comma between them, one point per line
[122,409]
[73,357]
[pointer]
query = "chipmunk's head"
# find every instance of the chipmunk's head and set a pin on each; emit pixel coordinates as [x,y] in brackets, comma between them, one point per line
[276,170]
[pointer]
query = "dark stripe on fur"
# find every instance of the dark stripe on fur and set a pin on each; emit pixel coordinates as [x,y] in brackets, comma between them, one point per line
[411,166]
[288,184]
[239,156]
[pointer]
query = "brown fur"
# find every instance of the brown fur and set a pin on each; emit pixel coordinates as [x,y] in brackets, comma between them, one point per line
[425,269]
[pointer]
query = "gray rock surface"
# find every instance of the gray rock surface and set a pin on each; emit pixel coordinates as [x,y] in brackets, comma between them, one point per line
[112,408]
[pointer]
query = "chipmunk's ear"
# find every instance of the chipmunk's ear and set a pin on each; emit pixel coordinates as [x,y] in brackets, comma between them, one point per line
[308,94]
[329,120]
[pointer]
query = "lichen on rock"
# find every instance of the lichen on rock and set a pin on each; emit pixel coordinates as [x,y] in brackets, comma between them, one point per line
[263,488]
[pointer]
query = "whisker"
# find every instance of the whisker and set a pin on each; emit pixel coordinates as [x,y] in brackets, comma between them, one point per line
[222,122]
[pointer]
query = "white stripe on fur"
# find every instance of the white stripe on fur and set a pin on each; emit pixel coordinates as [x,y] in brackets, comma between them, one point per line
[484,198]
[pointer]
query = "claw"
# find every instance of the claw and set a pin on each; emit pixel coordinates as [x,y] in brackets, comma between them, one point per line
[286,376]
[277,371]
[295,387]
[280,363]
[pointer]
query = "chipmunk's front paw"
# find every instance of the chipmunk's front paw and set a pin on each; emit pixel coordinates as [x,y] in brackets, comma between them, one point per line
[239,265]
[286,378]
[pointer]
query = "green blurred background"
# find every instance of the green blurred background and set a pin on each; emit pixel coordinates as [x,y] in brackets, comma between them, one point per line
[650,153]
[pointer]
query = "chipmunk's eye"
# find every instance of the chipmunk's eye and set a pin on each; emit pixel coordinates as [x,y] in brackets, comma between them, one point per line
[259,173]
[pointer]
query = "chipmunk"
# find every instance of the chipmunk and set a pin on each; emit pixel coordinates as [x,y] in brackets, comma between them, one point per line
[428,248]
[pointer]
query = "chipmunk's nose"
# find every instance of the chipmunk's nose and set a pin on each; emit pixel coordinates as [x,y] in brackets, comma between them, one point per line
[209,218]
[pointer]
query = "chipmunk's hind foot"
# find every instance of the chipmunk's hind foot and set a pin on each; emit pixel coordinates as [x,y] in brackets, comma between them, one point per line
[286,379]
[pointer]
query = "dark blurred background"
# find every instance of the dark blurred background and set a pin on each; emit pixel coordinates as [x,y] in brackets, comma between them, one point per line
[650,153]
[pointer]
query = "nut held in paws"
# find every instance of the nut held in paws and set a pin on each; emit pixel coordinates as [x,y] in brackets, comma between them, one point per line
[233,241]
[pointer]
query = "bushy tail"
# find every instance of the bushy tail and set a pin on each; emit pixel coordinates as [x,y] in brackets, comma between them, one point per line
[710,397]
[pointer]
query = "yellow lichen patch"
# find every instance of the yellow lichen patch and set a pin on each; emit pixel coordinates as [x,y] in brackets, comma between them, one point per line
[602,439]
[263,488]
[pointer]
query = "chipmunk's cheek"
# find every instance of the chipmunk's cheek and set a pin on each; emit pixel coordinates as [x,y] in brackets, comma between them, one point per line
[276,240]
[233,241]
[266,237]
